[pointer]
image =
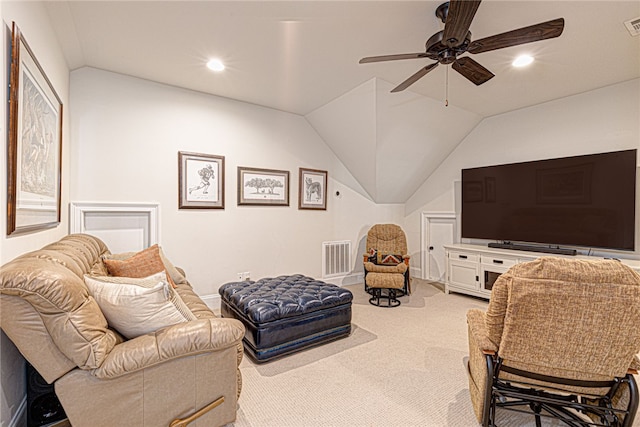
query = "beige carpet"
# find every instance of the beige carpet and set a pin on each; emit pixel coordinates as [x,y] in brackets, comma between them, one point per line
[400,367]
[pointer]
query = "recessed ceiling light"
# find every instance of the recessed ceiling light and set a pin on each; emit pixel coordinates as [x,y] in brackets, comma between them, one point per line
[522,61]
[215,65]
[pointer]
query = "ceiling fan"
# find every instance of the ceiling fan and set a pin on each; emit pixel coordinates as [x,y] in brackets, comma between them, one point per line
[447,45]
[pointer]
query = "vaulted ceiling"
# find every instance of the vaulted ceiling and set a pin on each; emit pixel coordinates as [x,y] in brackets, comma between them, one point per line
[302,57]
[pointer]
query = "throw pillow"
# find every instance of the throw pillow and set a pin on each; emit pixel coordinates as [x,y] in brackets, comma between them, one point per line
[389,259]
[141,264]
[173,272]
[373,256]
[137,306]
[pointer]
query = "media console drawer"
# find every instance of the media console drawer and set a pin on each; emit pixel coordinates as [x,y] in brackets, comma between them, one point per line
[464,256]
[498,261]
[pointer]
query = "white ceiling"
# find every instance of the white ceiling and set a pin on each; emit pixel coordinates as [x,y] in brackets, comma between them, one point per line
[302,57]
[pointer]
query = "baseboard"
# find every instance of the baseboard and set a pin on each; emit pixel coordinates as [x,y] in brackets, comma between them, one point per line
[415,272]
[212,301]
[349,279]
[20,417]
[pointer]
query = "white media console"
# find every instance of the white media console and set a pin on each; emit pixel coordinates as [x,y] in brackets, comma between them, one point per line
[472,269]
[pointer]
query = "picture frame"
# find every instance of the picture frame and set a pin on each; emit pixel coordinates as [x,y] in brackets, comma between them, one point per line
[34,155]
[263,187]
[312,189]
[201,181]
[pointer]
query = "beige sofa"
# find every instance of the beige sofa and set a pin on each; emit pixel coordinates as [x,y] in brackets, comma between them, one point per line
[101,378]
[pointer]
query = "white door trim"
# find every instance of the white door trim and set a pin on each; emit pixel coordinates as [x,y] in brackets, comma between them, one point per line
[424,236]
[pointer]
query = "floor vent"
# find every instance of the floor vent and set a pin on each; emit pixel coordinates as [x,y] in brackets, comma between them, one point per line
[633,26]
[336,258]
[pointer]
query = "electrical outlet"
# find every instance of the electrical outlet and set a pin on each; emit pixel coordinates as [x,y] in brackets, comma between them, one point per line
[247,275]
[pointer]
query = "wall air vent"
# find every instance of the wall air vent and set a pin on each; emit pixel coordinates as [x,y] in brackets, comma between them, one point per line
[336,258]
[633,26]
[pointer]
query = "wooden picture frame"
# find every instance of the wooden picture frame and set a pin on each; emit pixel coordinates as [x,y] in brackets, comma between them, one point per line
[34,169]
[201,181]
[266,187]
[312,189]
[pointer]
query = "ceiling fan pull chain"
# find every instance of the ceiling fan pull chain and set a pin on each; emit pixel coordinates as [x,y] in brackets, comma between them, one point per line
[446,89]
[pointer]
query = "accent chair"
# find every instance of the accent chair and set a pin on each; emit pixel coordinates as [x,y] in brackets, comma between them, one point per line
[386,265]
[560,338]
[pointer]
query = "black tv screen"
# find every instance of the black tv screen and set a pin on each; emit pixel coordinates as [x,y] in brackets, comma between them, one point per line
[576,201]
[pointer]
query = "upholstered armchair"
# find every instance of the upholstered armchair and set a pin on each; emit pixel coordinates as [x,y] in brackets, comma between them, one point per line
[560,338]
[386,264]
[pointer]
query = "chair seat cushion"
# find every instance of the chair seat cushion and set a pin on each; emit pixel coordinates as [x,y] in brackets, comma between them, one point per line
[375,268]
[385,280]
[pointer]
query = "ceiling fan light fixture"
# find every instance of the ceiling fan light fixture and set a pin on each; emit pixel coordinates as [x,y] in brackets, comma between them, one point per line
[215,65]
[522,61]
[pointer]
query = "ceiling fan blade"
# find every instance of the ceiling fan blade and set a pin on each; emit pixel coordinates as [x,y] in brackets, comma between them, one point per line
[459,17]
[473,71]
[392,57]
[414,78]
[545,30]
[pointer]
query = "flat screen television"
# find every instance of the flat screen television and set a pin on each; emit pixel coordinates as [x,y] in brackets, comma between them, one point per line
[584,201]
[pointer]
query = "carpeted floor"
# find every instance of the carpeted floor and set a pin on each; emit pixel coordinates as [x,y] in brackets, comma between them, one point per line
[400,367]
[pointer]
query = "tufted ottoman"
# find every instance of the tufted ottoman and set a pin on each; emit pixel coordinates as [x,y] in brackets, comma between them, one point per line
[285,314]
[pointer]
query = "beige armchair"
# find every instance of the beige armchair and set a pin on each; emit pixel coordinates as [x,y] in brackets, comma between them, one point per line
[175,375]
[560,338]
[386,265]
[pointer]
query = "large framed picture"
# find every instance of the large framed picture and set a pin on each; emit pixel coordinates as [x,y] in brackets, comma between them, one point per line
[263,187]
[312,189]
[201,181]
[34,167]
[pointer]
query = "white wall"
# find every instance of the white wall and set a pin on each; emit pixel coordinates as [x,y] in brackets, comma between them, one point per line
[127,133]
[33,21]
[606,119]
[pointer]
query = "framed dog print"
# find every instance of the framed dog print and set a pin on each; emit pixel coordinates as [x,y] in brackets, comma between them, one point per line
[312,189]
[201,181]
[263,187]
[34,166]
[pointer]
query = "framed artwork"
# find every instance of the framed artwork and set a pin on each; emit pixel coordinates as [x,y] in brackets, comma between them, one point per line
[263,187]
[34,167]
[312,189]
[201,181]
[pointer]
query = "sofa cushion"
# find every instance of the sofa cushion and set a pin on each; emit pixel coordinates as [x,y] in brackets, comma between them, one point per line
[136,306]
[141,264]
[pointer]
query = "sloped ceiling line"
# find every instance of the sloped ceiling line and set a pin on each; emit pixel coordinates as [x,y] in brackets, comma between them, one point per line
[391,143]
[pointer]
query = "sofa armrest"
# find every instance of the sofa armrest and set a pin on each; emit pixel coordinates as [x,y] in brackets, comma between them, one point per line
[477,328]
[180,340]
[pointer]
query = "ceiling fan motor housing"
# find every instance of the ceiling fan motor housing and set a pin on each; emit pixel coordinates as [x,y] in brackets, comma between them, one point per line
[442,53]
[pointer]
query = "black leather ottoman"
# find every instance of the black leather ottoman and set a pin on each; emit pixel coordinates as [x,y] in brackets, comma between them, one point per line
[285,314]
